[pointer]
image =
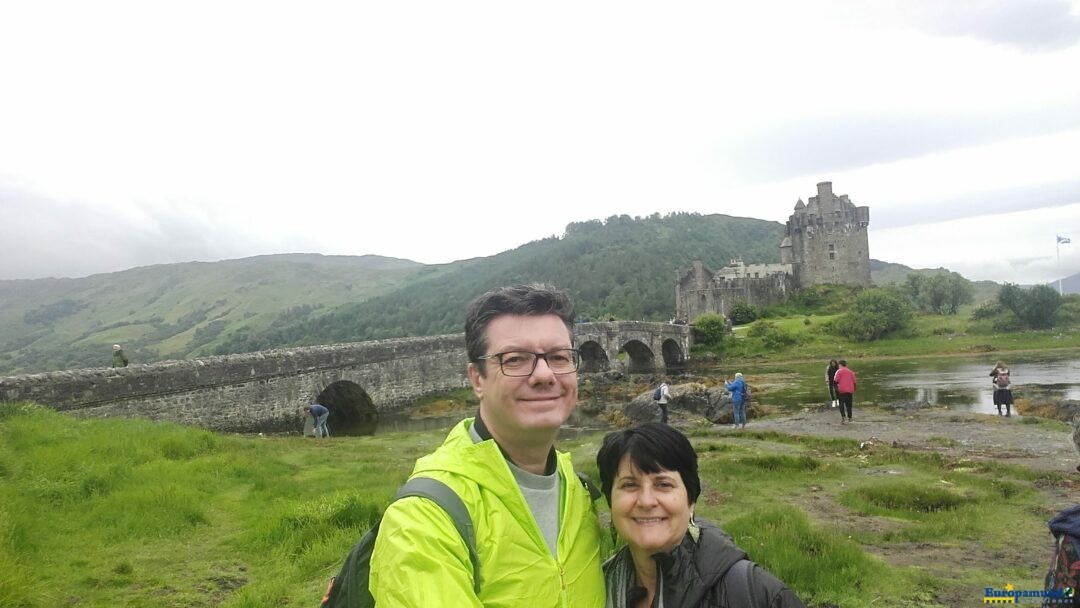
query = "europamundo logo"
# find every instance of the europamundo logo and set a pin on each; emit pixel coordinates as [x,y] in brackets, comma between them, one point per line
[1011,595]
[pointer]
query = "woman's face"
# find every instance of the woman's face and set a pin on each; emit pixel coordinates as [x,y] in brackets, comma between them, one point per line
[651,511]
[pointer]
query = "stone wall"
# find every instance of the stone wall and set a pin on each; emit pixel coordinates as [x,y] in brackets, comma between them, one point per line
[700,291]
[266,391]
[262,391]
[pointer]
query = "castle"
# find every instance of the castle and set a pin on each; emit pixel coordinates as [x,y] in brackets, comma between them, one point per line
[824,242]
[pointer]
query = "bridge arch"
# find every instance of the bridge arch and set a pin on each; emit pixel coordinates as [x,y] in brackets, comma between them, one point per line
[352,411]
[642,360]
[674,358]
[593,358]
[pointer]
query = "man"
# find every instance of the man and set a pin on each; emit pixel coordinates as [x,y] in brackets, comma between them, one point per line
[319,414]
[118,358]
[845,390]
[665,394]
[537,536]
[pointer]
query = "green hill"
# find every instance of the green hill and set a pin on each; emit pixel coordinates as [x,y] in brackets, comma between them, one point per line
[622,267]
[176,310]
[888,273]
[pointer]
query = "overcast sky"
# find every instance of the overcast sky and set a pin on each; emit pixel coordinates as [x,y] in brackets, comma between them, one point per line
[135,133]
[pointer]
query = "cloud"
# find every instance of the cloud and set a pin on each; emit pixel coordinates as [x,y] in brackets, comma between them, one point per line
[50,237]
[1018,247]
[834,142]
[898,213]
[1029,25]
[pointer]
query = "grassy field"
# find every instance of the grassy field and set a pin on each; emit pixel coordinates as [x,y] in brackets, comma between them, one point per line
[929,335]
[135,513]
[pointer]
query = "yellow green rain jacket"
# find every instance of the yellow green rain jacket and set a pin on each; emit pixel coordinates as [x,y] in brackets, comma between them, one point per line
[421,561]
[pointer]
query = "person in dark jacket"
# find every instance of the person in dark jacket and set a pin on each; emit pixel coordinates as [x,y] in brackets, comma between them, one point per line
[999,377]
[830,379]
[650,478]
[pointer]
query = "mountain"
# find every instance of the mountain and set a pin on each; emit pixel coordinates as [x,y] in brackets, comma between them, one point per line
[622,267]
[177,310]
[1069,284]
[889,273]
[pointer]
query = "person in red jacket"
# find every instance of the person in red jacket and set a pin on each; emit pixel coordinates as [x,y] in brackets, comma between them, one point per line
[845,388]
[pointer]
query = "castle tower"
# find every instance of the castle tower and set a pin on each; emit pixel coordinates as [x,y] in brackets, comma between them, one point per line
[826,240]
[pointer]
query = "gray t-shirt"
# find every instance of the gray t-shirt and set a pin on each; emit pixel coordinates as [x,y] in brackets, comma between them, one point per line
[541,493]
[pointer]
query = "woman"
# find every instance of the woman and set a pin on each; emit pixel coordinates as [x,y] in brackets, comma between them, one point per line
[737,388]
[830,379]
[1002,392]
[650,479]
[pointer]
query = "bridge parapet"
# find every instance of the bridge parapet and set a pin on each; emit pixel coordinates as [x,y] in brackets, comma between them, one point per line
[265,391]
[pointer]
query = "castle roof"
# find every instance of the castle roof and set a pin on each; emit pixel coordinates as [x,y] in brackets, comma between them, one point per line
[800,205]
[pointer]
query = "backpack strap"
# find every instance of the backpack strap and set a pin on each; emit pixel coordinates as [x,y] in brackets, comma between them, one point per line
[587,482]
[442,495]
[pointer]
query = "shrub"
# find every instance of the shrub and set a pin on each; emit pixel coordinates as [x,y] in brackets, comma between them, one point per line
[771,335]
[709,329]
[986,310]
[876,313]
[743,313]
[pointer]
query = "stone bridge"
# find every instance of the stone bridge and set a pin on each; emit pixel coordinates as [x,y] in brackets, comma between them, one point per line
[266,391]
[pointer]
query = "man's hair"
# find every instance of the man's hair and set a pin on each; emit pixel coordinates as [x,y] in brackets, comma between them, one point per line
[652,447]
[534,299]
[842,362]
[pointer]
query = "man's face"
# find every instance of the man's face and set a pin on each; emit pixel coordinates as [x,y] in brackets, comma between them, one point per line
[514,406]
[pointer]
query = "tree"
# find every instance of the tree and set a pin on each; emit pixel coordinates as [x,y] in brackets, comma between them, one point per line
[709,329]
[743,313]
[1034,307]
[1011,296]
[1040,304]
[941,294]
[876,312]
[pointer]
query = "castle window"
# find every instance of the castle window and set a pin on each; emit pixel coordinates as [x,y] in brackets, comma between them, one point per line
[832,247]
[832,255]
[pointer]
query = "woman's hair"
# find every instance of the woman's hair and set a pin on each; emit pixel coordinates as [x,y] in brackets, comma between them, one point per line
[652,447]
[833,363]
[1000,364]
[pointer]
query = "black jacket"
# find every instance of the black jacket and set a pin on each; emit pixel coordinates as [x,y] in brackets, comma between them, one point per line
[700,574]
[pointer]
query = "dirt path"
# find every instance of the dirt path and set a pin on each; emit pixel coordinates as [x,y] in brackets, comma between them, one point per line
[955,434]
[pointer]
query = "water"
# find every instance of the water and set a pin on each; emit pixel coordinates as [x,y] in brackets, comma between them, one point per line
[960,383]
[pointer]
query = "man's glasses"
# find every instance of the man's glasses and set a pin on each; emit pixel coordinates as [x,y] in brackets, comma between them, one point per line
[519,363]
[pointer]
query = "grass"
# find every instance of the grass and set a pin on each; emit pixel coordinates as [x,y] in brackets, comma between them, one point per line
[131,512]
[929,335]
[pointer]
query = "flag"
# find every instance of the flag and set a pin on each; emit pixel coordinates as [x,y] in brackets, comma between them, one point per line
[1062,239]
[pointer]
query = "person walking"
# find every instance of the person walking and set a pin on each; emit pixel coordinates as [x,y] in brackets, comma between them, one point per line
[845,387]
[319,413]
[664,395]
[1002,388]
[118,358]
[737,388]
[830,379]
